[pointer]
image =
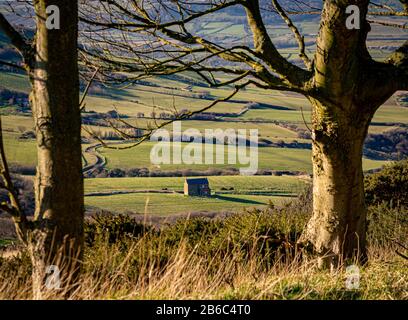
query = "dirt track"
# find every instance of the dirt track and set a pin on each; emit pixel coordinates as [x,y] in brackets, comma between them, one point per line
[95,161]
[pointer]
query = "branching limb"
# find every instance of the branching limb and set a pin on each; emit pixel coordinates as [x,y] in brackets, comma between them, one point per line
[178,117]
[16,39]
[299,38]
[13,207]
[399,62]
[82,102]
[289,72]
[12,65]
[399,58]
[404,5]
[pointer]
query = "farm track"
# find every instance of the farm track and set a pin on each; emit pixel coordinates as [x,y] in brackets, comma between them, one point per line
[97,162]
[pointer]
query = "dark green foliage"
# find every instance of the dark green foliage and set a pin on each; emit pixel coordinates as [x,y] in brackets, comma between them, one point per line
[389,185]
[194,231]
[389,145]
[113,228]
[267,235]
[387,224]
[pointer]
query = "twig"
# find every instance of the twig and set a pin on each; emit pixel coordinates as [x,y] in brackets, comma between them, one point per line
[81,103]
[14,207]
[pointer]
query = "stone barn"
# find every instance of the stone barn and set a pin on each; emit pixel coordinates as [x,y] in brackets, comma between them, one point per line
[198,187]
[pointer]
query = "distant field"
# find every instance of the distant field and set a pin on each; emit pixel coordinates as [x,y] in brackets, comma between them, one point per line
[386,114]
[247,192]
[16,82]
[269,158]
[380,129]
[22,152]
[166,204]
[17,123]
[278,115]
[266,130]
[391,114]
[240,184]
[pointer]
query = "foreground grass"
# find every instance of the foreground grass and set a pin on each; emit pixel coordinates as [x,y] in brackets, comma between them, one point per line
[247,256]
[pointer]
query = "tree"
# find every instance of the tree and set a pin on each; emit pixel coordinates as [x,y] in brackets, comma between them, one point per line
[55,235]
[343,83]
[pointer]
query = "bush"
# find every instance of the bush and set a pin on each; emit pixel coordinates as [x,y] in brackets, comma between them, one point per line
[390,145]
[242,256]
[387,224]
[113,228]
[266,235]
[389,185]
[24,189]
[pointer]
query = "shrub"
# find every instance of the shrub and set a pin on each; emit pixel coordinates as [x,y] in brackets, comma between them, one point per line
[389,185]
[112,228]
[387,224]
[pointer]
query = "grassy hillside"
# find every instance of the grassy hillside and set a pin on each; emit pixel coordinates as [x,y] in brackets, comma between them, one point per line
[230,193]
[167,204]
[240,184]
[269,158]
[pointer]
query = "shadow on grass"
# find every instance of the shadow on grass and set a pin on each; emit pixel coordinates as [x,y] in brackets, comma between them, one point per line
[265,106]
[232,199]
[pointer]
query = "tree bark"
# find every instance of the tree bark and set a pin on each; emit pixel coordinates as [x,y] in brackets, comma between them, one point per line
[337,229]
[57,236]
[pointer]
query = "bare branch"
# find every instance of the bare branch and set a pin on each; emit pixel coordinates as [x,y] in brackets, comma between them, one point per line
[14,207]
[299,38]
[267,51]
[81,103]
[17,41]
[179,117]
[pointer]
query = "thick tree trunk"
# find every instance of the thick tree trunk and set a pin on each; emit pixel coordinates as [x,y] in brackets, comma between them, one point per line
[57,237]
[337,228]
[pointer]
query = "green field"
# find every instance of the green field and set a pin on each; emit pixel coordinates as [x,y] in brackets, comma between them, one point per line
[269,158]
[16,82]
[22,152]
[269,184]
[386,114]
[6,242]
[166,204]
[266,130]
[391,114]
[247,192]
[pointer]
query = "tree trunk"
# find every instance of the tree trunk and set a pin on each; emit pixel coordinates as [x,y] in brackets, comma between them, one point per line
[57,236]
[337,229]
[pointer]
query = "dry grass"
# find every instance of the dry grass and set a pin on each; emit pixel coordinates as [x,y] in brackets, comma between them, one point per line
[232,261]
[187,276]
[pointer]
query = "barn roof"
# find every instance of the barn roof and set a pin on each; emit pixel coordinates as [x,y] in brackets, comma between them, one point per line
[197,181]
